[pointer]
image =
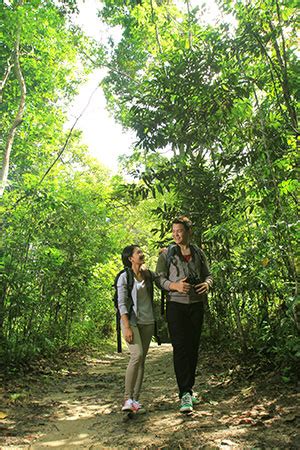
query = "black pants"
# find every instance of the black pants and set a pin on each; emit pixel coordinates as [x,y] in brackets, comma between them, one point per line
[185,325]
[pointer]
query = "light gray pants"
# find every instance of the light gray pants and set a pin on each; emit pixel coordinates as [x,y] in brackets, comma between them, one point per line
[142,335]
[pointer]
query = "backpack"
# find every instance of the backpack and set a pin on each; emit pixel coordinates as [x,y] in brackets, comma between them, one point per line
[130,282]
[171,252]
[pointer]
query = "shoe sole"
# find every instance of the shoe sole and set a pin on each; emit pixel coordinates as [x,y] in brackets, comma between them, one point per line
[188,409]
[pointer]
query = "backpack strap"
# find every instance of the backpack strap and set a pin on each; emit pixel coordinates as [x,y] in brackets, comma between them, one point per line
[171,252]
[130,278]
[197,251]
[118,331]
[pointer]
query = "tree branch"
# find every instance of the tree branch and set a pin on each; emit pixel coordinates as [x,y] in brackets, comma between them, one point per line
[156,28]
[6,75]
[59,154]
[18,118]
[282,81]
[285,81]
[189,24]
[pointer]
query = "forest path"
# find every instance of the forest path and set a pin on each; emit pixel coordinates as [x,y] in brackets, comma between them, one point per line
[76,405]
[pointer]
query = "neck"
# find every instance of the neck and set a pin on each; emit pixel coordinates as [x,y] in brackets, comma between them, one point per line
[184,247]
[136,268]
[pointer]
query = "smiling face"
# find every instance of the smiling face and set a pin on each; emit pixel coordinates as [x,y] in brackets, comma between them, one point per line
[137,257]
[180,234]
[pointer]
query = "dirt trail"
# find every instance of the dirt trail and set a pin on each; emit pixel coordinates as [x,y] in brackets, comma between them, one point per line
[77,406]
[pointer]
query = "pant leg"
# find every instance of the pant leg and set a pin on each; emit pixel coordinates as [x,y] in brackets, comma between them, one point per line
[185,322]
[136,357]
[196,313]
[146,333]
[176,318]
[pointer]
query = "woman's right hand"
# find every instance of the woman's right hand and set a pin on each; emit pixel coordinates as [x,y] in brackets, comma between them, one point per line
[128,335]
[181,286]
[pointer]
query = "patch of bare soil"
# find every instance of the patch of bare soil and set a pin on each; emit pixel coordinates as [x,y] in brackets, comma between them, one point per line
[77,406]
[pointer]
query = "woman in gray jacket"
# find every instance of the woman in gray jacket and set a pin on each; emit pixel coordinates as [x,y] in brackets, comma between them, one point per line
[137,321]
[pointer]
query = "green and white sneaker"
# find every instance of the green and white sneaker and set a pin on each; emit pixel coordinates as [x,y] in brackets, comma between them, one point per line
[186,403]
[195,400]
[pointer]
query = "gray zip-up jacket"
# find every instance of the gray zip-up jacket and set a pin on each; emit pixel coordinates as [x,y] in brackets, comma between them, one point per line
[197,267]
[125,305]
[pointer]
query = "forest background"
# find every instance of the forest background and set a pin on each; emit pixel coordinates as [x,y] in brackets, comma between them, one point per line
[213,109]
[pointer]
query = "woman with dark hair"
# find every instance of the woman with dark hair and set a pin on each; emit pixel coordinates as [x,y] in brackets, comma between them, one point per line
[184,272]
[137,321]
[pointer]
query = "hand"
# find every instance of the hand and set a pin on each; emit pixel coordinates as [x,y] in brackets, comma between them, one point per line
[182,286]
[128,335]
[202,288]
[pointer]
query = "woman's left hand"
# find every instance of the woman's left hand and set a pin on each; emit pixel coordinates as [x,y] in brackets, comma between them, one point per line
[128,335]
[202,288]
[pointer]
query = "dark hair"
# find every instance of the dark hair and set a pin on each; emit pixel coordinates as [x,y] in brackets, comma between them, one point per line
[127,253]
[185,221]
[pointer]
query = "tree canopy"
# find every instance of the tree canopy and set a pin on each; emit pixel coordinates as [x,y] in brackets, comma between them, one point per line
[213,107]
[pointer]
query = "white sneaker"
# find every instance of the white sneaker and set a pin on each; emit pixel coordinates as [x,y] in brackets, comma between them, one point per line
[128,405]
[138,407]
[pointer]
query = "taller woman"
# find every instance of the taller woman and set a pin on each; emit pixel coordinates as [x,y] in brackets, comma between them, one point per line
[137,321]
[184,272]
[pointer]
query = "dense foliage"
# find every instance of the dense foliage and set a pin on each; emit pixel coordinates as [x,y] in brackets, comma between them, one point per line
[220,100]
[60,228]
[213,108]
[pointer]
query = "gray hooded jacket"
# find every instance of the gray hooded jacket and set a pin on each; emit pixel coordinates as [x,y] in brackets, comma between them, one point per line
[197,267]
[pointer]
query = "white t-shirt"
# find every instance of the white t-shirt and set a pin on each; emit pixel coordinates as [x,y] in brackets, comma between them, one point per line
[144,305]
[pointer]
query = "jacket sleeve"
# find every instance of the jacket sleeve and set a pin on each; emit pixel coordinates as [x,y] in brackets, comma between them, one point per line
[155,278]
[206,270]
[161,270]
[123,299]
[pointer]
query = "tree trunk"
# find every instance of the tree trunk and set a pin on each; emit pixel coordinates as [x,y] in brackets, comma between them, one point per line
[18,118]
